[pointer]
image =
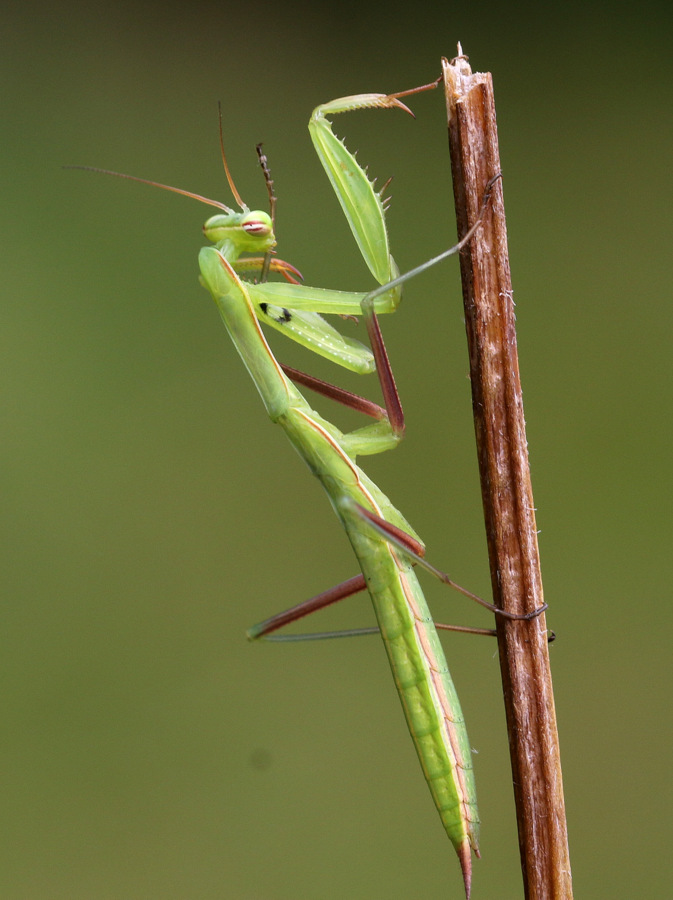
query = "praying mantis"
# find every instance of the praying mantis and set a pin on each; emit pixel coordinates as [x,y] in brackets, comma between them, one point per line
[234,271]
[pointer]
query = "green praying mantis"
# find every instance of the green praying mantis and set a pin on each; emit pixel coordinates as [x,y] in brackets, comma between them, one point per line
[234,270]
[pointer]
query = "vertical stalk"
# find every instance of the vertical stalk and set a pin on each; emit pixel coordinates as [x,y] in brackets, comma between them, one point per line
[506,486]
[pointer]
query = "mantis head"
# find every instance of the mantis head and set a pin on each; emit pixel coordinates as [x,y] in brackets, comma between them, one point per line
[250,231]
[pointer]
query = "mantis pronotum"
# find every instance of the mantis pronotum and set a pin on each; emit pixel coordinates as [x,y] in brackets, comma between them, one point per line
[385,544]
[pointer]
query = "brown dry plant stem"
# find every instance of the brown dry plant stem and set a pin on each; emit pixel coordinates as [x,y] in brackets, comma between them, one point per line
[506,486]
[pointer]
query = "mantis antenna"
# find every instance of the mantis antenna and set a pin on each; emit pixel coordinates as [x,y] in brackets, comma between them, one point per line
[230,180]
[264,163]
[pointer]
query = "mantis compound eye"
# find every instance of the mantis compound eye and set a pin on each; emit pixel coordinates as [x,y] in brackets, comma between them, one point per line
[257,223]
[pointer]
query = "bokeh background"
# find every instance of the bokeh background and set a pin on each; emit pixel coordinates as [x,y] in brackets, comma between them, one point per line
[151,513]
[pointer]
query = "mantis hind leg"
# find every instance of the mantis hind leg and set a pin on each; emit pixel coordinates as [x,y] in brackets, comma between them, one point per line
[406,543]
[410,546]
[265,630]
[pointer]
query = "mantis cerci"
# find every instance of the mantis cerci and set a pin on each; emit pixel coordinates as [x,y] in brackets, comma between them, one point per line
[386,546]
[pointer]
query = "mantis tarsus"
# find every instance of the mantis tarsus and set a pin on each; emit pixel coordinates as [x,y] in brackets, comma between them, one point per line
[385,544]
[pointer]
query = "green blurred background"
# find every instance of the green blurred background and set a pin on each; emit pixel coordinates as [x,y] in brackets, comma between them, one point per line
[151,513]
